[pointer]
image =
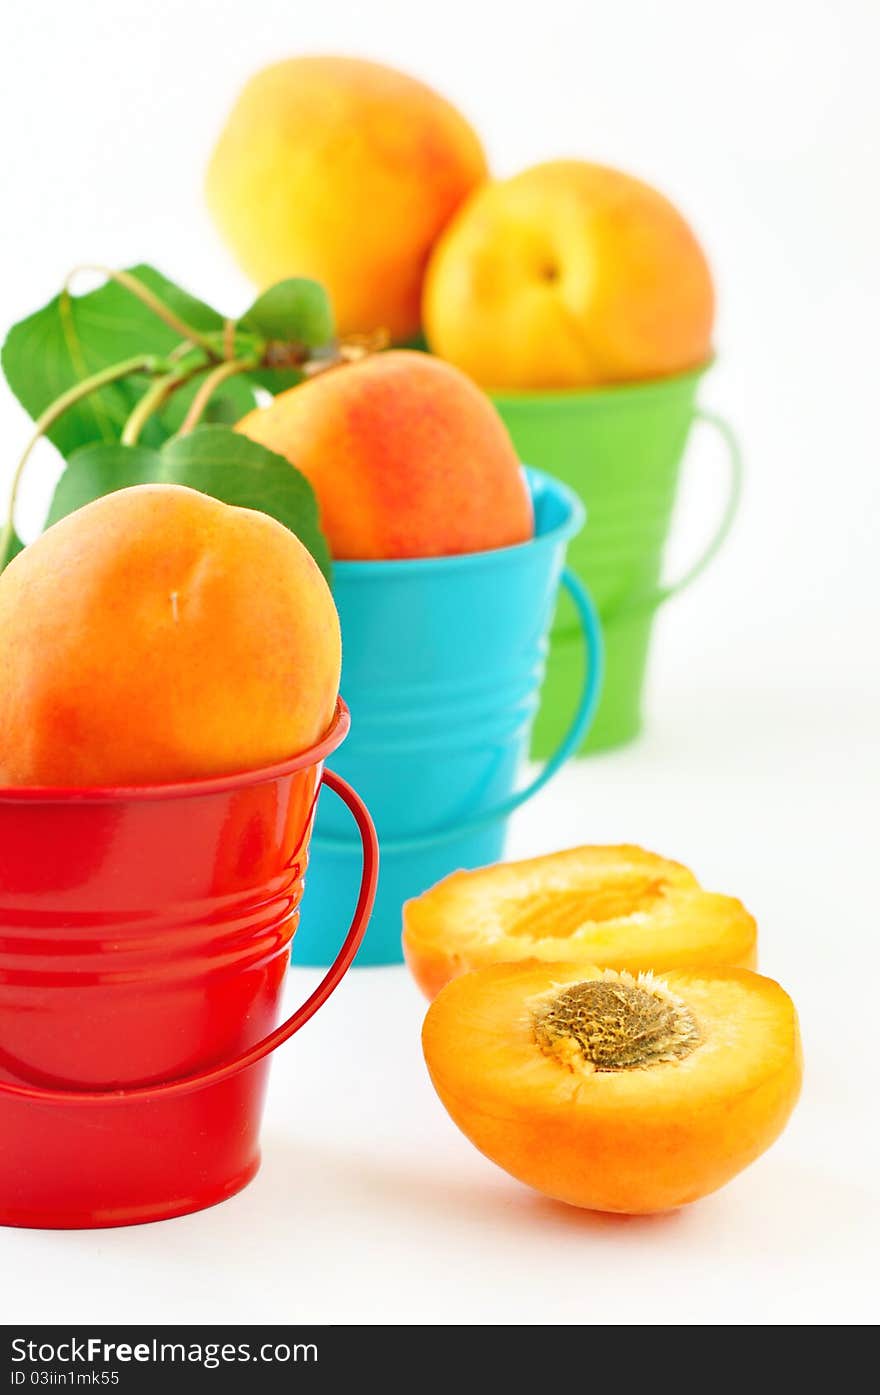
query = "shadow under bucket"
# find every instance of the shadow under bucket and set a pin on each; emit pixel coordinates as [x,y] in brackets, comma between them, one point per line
[620,449]
[144,938]
[443,660]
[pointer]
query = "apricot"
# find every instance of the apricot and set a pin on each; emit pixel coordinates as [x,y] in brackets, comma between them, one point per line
[568,275]
[611,1091]
[158,635]
[345,171]
[407,457]
[618,907]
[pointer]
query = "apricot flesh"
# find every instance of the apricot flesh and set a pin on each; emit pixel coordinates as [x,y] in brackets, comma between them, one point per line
[159,635]
[346,171]
[568,275]
[407,457]
[617,907]
[597,1108]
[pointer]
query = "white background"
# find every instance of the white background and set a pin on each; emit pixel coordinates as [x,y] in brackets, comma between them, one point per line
[760,766]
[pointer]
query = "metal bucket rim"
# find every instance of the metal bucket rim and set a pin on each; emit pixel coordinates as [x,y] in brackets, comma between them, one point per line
[181,789]
[363,571]
[609,394]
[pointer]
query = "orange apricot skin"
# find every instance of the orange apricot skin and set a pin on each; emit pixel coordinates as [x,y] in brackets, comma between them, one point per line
[595,1168]
[431,965]
[159,635]
[407,458]
[346,171]
[633,1162]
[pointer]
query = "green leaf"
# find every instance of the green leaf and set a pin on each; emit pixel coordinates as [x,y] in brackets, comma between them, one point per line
[75,336]
[276,380]
[212,459]
[297,311]
[418,343]
[12,549]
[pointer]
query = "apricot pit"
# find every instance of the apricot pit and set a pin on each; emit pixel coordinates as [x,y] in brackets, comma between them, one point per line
[615,1023]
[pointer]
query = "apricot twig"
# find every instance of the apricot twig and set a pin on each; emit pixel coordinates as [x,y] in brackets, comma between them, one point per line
[142,363]
[154,397]
[215,378]
[152,302]
[349,350]
[181,350]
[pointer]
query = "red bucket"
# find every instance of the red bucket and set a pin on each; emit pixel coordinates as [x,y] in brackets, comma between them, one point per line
[144,938]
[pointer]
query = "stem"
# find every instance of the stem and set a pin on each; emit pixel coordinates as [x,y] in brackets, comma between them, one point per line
[152,301]
[214,379]
[183,348]
[140,364]
[349,350]
[152,400]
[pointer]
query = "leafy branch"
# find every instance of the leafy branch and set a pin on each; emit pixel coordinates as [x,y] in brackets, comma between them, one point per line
[137,364]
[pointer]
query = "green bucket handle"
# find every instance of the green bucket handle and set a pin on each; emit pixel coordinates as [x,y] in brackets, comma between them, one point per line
[662,593]
[588,701]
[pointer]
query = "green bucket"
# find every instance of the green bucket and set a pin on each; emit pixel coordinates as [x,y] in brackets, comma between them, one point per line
[621,449]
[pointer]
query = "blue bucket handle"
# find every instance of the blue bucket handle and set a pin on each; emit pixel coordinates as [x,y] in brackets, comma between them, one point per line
[594,653]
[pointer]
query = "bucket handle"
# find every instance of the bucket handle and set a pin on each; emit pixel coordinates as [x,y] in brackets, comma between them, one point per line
[656,597]
[216,1075]
[591,630]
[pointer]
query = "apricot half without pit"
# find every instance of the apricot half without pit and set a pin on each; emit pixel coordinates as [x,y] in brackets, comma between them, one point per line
[617,907]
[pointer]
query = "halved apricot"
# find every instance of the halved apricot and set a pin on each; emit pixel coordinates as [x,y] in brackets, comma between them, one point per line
[618,907]
[612,1091]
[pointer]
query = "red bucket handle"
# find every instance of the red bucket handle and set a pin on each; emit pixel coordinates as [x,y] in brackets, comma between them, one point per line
[215,1075]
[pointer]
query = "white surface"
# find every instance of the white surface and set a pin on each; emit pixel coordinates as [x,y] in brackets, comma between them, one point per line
[372,1208]
[761,765]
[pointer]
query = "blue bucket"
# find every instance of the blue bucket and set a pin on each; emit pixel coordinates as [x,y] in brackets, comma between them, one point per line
[443,660]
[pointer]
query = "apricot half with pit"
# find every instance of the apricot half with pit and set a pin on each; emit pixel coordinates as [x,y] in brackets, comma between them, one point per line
[618,907]
[614,1091]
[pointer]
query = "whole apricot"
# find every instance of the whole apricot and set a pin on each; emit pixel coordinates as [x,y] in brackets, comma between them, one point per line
[159,635]
[617,907]
[568,275]
[614,1091]
[407,457]
[345,171]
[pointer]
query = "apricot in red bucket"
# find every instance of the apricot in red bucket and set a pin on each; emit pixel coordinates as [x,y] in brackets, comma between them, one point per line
[159,635]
